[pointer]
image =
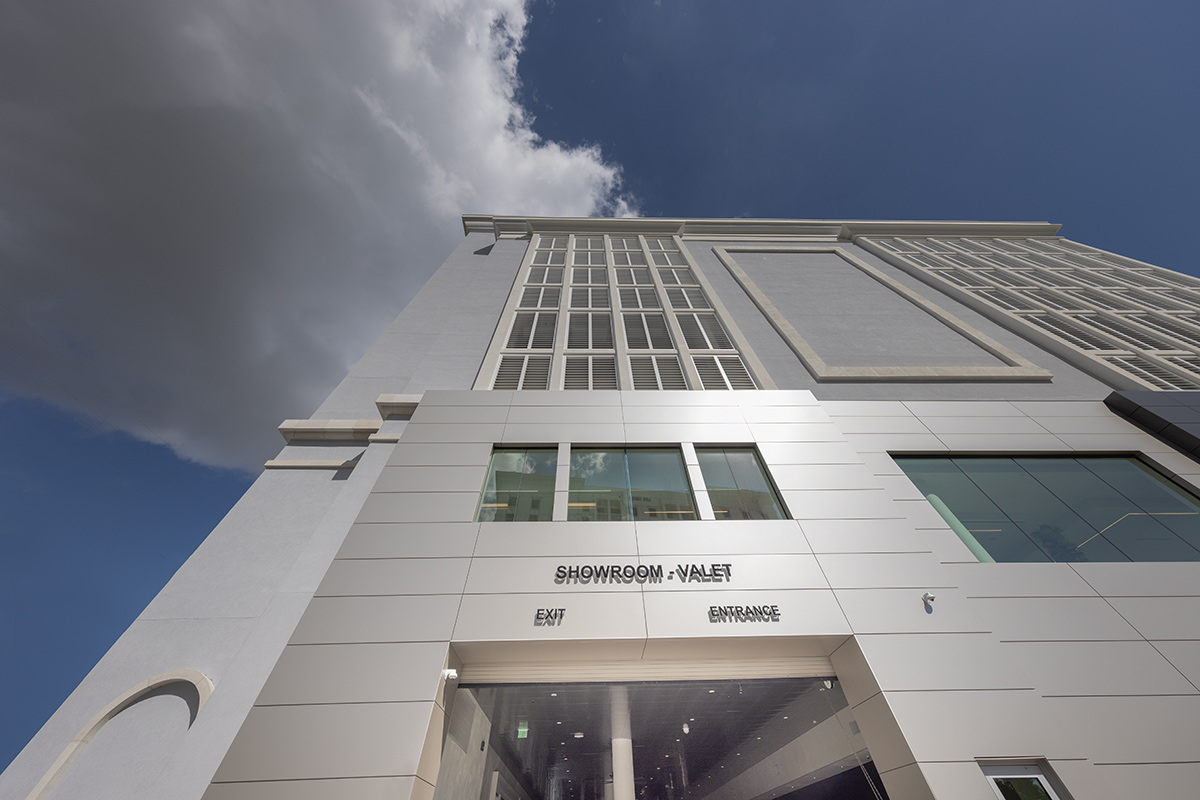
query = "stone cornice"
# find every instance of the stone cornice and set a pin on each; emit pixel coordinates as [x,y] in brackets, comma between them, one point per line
[833,229]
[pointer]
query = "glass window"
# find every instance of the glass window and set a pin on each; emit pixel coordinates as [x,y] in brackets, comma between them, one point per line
[618,484]
[1020,782]
[519,486]
[738,486]
[1063,509]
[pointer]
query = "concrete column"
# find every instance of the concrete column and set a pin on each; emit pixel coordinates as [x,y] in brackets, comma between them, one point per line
[622,745]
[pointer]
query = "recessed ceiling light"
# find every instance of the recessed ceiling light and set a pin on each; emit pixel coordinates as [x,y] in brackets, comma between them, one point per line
[578,734]
[554,694]
[712,691]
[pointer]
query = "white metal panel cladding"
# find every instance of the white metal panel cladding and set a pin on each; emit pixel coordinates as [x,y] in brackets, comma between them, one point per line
[599,672]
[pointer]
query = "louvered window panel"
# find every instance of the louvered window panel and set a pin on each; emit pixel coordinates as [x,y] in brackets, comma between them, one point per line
[1190,299]
[1012,262]
[1005,246]
[1063,301]
[1150,372]
[1046,278]
[590,372]
[929,262]
[1175,279]
[550,257]
[1039,245]
[1005,299]
[692,297]
[656,372]
[1098,298]
[1005,278]
[1049,262]
[626,243]
[632,297]
[961,277]
[970,246]
[1158,301]
[930,246]
[1098,279]
[523,372]
[589,332]
[677,277]
[1139,278]
[1190,364]
[723,372]
[631,277]
[647,332]
[704,332]
[545,275]
[629,259]
[664,259]
[586,257]
[894,245]
[532,330]
[589,298]
[535,297]
[1128,333]
[1081,261]
[1172,326]
[590,275]
[1075,334]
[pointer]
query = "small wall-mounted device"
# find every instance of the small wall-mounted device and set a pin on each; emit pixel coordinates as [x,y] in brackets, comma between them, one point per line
[449,675]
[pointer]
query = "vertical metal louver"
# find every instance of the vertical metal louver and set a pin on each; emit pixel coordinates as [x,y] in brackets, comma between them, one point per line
[532,329]
[1009,300]
[656,372]
[632,297]
[1099,298]
[692,297]
[589,298]
[590,372]
[589,332]
[647,332]
[703,332]
[962,277]
[523,372]
[677,277]
[633,276]
[723,372]
[538,297]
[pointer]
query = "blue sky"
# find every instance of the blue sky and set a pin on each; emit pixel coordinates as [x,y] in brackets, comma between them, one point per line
[206,217]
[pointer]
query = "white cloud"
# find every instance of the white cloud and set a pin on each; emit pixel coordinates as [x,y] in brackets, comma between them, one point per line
[208,211]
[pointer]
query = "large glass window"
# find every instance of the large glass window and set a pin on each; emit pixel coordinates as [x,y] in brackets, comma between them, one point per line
[1062,509]
[619,484]
[519,486]
[738,486]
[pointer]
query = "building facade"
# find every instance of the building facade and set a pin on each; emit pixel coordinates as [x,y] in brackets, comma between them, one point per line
[629,509]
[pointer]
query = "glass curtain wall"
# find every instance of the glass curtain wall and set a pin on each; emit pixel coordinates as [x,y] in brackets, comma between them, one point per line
[519,486]
[737,484]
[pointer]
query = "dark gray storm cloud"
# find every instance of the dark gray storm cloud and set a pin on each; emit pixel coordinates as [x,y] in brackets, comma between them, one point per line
[209,210]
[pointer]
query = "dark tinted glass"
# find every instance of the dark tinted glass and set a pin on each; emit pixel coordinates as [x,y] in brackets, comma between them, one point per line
[737,484]
[519,486]
[1064,509]
[1022,789]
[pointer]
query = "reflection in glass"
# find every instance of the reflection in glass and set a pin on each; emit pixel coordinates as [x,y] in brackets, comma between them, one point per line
[622,485]
[519,486]
[1064,509]
[1022,789]
[661,740]
[738,486]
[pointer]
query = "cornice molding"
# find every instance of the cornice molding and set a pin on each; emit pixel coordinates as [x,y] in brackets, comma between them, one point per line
[846,230]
